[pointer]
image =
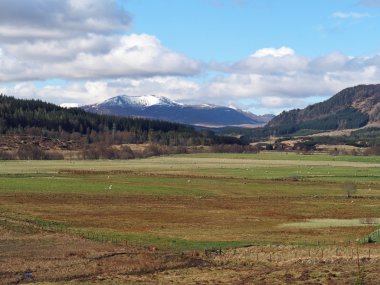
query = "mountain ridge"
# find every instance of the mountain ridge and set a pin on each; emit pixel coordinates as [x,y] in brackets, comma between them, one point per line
[353,107]
[139,101]
[162,108]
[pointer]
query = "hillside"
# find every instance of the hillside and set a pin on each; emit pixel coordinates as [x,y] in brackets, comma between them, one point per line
[20,113]
[37,118]
[162,108]
[353,107]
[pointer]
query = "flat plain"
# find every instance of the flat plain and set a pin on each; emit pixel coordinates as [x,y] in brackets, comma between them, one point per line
[267,218]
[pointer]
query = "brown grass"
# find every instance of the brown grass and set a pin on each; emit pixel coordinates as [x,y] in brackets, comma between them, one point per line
[180,202]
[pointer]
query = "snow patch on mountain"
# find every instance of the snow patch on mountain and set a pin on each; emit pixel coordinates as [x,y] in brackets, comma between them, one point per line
[140,101]
[162,108]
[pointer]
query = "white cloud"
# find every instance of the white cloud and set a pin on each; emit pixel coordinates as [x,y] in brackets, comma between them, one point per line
[89,92]
[350,15]
[69,105]
[109,65]
[133,56]
[42,19]
[94,57]
[270,61]
[330,62]
[57,50]
[286,81]
[280,52]
[86,39]
[277,103]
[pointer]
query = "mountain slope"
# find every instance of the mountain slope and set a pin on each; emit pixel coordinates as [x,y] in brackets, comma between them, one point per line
[161,108]
[26,113]
[352,107]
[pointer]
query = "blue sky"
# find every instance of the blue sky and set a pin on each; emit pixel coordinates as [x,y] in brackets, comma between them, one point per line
[231,30]
[259,55]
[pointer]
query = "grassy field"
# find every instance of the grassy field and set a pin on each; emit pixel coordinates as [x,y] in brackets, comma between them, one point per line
[161,214]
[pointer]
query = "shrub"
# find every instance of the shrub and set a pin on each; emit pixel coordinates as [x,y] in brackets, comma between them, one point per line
[7,155]
[54,156]
[30,152]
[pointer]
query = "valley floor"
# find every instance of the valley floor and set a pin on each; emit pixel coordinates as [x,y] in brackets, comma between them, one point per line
[269,218]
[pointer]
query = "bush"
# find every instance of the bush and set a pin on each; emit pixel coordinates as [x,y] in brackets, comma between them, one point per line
[125,152]
[375,150]
[152,150]
[99,151]
[30,152]
[223,148]
[90,152]
[54,156]
[6,155]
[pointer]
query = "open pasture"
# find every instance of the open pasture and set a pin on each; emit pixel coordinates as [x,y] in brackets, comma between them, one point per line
[188,203]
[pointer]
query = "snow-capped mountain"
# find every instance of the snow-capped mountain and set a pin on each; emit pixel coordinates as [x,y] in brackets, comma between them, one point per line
[162,108]
[139,101]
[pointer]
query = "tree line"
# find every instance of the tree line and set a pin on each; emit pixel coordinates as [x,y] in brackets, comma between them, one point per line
[35,117]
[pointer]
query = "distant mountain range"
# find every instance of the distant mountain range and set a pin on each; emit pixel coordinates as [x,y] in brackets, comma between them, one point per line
[162,108]
[352,107]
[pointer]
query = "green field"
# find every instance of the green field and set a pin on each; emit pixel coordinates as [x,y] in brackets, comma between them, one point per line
[189,203]
[197,198]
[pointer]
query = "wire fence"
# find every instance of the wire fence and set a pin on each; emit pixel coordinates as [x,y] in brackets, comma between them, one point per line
[366,247]
[285,253]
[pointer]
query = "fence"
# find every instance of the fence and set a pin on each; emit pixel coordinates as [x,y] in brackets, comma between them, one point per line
[367,247]
[309,254]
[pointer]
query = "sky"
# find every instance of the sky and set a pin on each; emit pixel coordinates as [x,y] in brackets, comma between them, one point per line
[264,56]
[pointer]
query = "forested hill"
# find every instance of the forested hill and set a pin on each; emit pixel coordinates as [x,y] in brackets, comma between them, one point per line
[22,116]
[351,108]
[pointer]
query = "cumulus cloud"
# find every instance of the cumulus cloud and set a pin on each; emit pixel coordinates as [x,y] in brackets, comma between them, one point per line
[59,50]
[279,78]
[270,61]
[86,39]
[89,92]
[267,82]
[86,44]
[93,58]
[280,52]
[36,19]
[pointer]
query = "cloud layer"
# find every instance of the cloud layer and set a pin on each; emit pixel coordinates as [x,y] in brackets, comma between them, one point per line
[47,19]
[277,79]
[70,39]
[89,46]
[93,57]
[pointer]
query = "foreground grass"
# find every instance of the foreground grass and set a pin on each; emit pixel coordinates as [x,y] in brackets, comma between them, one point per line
[198,201]
[149,221]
